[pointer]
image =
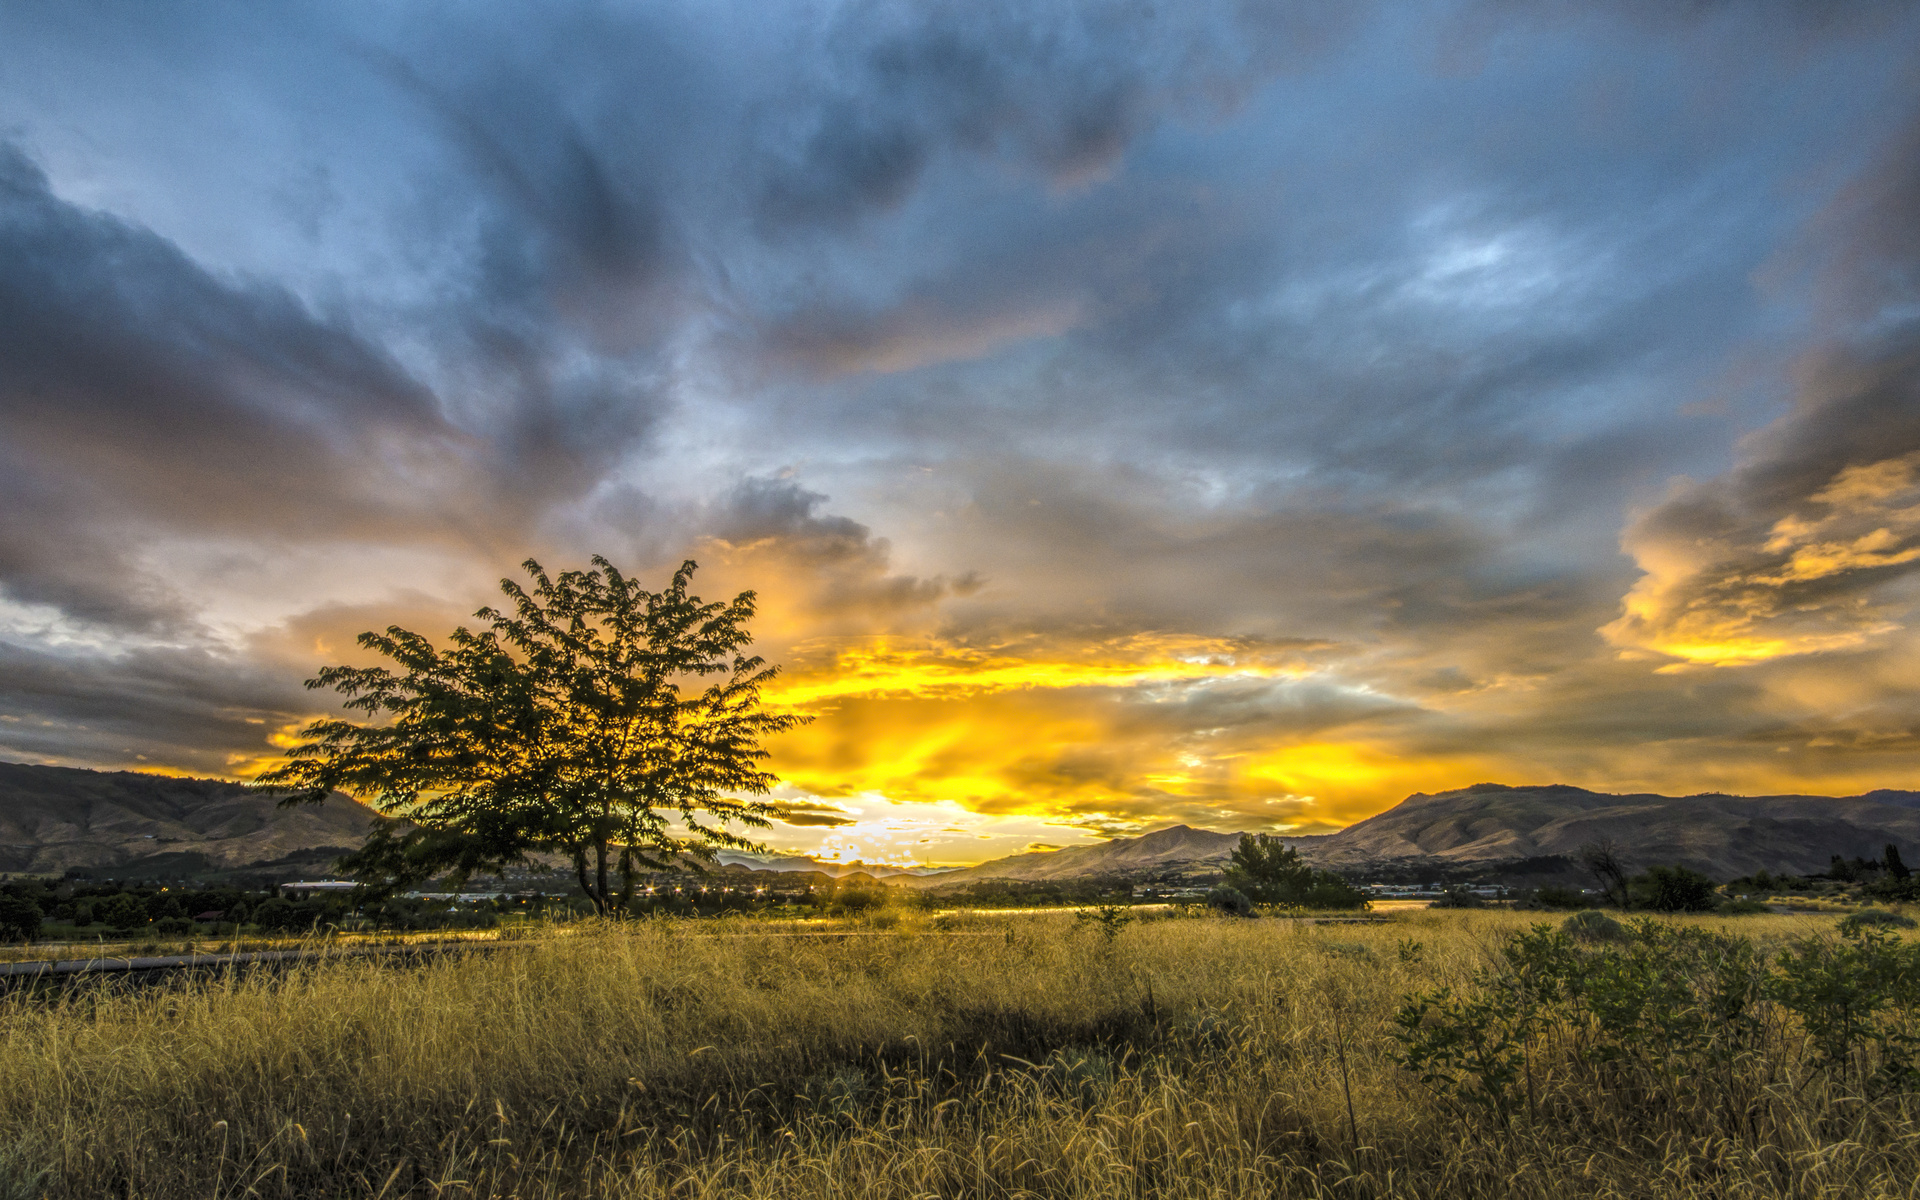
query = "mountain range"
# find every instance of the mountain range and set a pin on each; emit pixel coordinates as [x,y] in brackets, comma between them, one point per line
[53,819]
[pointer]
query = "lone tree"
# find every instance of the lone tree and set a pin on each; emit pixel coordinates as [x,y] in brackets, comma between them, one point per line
[1268,871]
[1601,858]
[574,723]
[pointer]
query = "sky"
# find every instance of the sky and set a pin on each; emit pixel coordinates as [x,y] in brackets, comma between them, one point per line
[1243,414]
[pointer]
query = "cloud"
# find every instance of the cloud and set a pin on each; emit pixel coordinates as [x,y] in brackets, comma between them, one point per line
[1221,412]
[1806,547]
[809,814]
[136,389]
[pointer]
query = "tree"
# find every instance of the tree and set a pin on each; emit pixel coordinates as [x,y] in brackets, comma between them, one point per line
[19,919]
[1674,889]
[1601,858]
[574,723]
[1891,862]
[1268,871]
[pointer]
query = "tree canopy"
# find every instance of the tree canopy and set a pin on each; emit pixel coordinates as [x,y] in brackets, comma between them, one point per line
[1268,871]
[592,718]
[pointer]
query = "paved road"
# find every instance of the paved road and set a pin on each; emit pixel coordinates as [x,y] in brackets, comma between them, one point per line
[16,972]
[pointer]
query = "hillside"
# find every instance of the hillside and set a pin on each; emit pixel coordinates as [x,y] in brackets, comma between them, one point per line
[1490,824]
[53,819]
[1724,836]
[1177,850]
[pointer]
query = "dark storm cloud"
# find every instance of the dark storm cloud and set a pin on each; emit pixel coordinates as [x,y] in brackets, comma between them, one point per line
[831,566]
[1117,333]
[182,708]
[138,389]
[1060,90]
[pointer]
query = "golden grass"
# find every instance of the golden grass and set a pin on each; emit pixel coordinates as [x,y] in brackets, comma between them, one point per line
[1001,1057]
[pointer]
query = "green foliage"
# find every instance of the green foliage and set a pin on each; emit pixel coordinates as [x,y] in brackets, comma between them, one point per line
[1874,918]
[1109,919]
[1594,926]
[1672,889]
[1231,901]
[1559,897]
[1741,908]
[1266,870]
[19,919]
[1857,998]
[570,724]
[1648,1013]
[1459,897]
[123,913]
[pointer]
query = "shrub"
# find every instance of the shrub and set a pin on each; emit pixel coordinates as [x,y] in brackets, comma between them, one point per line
[123,914]
[1559,897]
[1875,918]
[19,919]
[1594,926]
[1672,889]
[1741,908]
[1459,897]
[1231,901]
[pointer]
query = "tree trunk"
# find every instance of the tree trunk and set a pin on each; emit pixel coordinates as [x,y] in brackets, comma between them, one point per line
[600,878]
[580,869]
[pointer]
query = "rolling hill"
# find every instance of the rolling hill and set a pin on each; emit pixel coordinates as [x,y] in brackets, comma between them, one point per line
[1491,824]
[1175,851]
[1724,836]
[54,819]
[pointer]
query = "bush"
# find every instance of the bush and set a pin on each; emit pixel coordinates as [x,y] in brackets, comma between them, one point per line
[1741,908]
[123,914]
[1672,889]
[1231,901]
[1459,897]
[1559,897]
[1875,918]
[1594,926]
[19,919]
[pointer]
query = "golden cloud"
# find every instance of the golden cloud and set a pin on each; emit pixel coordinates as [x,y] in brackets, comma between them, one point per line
[1721,591]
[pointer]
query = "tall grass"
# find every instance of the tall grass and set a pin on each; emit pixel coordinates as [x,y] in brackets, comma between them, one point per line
[1002,1057]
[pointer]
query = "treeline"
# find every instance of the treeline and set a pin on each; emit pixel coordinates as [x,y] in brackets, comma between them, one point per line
[38,908]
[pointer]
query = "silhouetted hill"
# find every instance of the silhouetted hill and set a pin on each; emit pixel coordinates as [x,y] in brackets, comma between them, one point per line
[53,819]
[1176,850]
[1724,836]
[1492,824]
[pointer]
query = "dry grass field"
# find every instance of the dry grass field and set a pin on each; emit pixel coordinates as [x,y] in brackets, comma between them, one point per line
[978,1057]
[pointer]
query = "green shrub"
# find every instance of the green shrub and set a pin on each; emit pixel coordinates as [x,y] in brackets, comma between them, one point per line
[19,919]
[1594,926]
[1559,897]
[1741,908]
[1875,918]
[1672,889]
[1231,901]
[1459,897]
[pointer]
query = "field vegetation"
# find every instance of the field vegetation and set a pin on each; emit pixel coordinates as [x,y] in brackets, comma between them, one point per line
[1445,1054]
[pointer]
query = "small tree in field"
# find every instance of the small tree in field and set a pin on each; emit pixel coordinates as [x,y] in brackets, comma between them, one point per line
[1268,871]
[574,723]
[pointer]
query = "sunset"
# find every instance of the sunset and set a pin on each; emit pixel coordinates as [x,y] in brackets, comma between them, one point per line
[1053,600]
[1221,416]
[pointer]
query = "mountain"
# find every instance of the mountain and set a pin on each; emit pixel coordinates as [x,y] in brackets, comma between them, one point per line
[835,870]
[1177,850]
[1491,824]
[53,819]
[1724,836]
